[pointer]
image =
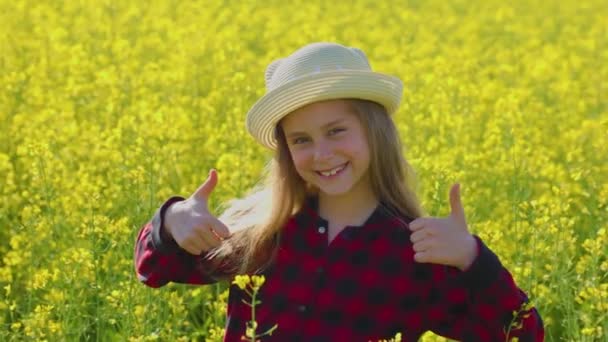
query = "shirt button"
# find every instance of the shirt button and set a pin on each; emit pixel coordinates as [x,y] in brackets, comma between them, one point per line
[302,308]
[322,230]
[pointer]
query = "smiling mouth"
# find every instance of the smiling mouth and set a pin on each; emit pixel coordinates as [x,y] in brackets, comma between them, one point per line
[333,172]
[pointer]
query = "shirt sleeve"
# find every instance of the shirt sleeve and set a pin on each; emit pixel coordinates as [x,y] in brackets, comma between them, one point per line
[482,303]
[159,260]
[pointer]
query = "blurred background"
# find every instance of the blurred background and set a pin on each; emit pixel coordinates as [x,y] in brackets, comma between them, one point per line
[107,108]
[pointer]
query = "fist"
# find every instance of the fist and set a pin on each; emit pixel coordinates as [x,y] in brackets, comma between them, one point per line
[191,224]
[446,240]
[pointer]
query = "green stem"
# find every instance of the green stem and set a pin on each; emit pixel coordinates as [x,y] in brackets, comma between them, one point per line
[254,333]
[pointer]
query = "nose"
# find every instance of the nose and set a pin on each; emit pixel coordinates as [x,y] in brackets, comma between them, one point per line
[322,152]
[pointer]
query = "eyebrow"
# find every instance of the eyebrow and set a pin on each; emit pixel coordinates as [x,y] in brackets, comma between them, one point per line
[331,123]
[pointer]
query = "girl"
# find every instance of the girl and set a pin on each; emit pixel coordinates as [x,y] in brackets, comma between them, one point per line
[336,229]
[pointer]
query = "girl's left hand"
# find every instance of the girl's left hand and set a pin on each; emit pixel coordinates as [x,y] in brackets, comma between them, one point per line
[447,240]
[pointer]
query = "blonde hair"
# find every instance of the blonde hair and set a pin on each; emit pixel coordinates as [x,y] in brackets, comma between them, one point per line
[256,221]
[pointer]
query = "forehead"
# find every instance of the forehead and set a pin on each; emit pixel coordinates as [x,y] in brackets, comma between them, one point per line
[317,114]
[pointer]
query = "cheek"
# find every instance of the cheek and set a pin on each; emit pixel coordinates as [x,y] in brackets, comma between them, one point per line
[360,152]
[301,160]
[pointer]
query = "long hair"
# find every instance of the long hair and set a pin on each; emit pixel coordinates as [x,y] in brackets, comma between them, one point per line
[256,220]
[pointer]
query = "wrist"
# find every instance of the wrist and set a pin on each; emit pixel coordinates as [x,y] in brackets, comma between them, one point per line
[471,253]
[167,219]
[160,238]
[484,270]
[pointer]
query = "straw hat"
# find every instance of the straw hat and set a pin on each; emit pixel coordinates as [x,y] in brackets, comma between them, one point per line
[316,72]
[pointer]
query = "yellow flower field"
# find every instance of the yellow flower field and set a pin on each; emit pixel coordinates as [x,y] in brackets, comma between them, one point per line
[109,107]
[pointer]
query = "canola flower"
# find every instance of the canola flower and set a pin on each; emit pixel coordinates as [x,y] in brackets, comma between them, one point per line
[251,285]
[108,108]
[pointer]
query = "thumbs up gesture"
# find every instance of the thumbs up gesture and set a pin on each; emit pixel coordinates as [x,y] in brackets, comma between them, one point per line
[447,240]
[191,225]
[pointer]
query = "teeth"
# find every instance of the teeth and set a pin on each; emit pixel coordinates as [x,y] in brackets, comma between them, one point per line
[332,172]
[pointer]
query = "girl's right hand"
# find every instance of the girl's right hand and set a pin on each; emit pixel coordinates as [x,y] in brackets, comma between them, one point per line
[190,223]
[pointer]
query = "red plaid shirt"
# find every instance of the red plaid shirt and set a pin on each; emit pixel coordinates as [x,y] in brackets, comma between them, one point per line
[364,285]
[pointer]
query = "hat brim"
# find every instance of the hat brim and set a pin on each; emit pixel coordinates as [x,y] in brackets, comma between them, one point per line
[276,104]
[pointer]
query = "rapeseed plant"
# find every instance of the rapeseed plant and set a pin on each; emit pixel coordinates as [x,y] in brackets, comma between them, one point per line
[107,109]
[251,286]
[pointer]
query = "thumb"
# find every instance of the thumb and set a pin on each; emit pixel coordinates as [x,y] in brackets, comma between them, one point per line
[456,209]
[206,188]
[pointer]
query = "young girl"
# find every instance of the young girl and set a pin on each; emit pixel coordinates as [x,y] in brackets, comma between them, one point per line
[336,229]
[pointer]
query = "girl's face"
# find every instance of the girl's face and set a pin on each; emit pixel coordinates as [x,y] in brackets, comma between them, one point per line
[329,147]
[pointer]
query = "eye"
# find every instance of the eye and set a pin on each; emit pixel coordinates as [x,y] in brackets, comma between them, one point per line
[299,140]
[335,131]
